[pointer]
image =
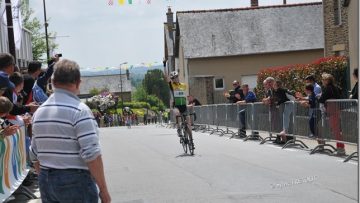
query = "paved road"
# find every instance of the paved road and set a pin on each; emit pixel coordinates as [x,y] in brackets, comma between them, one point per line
[147,165]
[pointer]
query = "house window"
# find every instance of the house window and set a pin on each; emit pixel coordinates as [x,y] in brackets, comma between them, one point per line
[219,83]
[339,53]
[337,12]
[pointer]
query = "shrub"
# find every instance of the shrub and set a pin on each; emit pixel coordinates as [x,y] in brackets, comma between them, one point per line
[293,76]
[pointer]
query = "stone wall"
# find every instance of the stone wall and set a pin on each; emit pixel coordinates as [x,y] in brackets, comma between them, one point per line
[202,88]
[336,36]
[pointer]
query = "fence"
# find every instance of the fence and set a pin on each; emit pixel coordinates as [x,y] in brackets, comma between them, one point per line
[13,164]
[336,122]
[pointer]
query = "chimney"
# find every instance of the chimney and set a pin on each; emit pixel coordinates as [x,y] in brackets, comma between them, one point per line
[284,2]
[254,3]
[170,18]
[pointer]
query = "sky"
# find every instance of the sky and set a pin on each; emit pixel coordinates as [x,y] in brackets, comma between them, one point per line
[101,35]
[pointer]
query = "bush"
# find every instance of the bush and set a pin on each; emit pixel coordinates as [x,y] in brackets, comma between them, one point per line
[293,76]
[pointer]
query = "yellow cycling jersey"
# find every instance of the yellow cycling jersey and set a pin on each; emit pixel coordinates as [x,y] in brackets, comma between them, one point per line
[179,90]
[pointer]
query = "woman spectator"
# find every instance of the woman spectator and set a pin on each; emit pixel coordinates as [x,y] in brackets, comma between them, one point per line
[281,96]
[330,91]
[355,90]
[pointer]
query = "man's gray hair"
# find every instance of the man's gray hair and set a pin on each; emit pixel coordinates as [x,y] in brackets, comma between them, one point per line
[66,72]
[270,79]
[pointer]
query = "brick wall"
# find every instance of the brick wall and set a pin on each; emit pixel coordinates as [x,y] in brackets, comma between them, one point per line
[336,36]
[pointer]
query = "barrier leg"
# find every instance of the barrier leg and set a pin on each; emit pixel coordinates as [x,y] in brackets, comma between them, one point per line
[321,148]
[351,156]
[294,142]
[26,192]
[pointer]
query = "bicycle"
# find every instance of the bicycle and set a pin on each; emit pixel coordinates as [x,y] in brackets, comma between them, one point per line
[183,133]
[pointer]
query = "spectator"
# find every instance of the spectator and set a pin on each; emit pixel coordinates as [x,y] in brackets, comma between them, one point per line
[17,79]
[193,101]
[355,90]
[237,90]
[317,89]
[281,96]
[269,88]
[5,107]
[39,88]
[7,64]
[249,98]
[70,155]
[34,70]
[330,91]
[311,104]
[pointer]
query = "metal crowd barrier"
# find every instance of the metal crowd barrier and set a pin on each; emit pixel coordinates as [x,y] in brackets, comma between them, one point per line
[254,115]
[337,123]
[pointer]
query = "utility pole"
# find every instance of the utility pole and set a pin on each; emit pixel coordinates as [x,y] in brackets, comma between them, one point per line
[46,34]
[10,27]
[121,87]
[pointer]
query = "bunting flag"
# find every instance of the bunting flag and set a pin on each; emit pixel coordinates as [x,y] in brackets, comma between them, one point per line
[129,2]
[121,2]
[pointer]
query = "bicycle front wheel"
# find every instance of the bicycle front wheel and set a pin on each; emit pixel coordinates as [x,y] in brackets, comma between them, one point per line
[184,141]
[190,144]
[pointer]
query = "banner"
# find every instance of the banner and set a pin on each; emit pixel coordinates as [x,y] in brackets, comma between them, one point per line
[13,168]
[17,20]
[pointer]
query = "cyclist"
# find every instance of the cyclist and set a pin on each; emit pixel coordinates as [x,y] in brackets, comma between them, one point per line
[179,102]
[127,112]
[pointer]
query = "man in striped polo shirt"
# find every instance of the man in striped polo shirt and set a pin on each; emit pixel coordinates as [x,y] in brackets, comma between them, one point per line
[66,144]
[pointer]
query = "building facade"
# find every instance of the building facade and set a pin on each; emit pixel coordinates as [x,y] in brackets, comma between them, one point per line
[212,48]
[341,31]
[110,82]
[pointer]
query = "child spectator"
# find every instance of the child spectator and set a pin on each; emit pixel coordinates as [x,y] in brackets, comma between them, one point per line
[311,104]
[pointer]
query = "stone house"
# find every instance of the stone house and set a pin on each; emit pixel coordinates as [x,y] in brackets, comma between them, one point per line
[212,48]
[341,29]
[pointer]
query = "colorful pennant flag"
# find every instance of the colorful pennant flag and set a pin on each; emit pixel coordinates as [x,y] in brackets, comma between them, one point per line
[130,1]
[121,2]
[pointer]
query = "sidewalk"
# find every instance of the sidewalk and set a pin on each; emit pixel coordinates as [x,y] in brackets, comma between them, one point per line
[311,143]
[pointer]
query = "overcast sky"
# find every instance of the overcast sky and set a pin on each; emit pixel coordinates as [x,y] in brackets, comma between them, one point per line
[103,35]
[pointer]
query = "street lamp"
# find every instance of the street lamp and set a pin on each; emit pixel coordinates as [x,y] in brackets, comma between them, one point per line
[121,85]
[46,34]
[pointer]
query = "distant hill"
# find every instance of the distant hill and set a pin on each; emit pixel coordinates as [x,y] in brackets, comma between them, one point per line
[137,73]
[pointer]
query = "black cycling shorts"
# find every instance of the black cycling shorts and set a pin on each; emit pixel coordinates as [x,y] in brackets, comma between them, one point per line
[182,108]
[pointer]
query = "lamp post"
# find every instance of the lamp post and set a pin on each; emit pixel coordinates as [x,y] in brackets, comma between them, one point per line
[121,85]
[46,34]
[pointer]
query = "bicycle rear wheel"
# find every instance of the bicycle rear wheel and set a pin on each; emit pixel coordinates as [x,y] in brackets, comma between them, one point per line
[190,143]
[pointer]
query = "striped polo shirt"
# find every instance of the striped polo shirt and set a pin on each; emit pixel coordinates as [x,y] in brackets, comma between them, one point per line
[65,133]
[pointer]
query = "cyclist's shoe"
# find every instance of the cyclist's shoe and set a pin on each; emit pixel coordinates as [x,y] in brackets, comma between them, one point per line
[192,146]
[179,132]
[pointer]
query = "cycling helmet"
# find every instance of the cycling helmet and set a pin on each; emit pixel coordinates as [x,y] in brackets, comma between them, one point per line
[174,74]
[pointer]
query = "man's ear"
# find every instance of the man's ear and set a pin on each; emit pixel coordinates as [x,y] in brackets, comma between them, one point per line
[78,84]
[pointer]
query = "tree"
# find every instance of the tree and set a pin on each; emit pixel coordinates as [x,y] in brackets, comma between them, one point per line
[94,91]
[38,40]
[139,94]
[155,84]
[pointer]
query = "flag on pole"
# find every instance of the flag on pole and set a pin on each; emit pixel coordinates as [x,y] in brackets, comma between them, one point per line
[17,20]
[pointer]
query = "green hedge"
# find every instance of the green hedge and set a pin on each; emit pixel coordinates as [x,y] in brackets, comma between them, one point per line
[293,76]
